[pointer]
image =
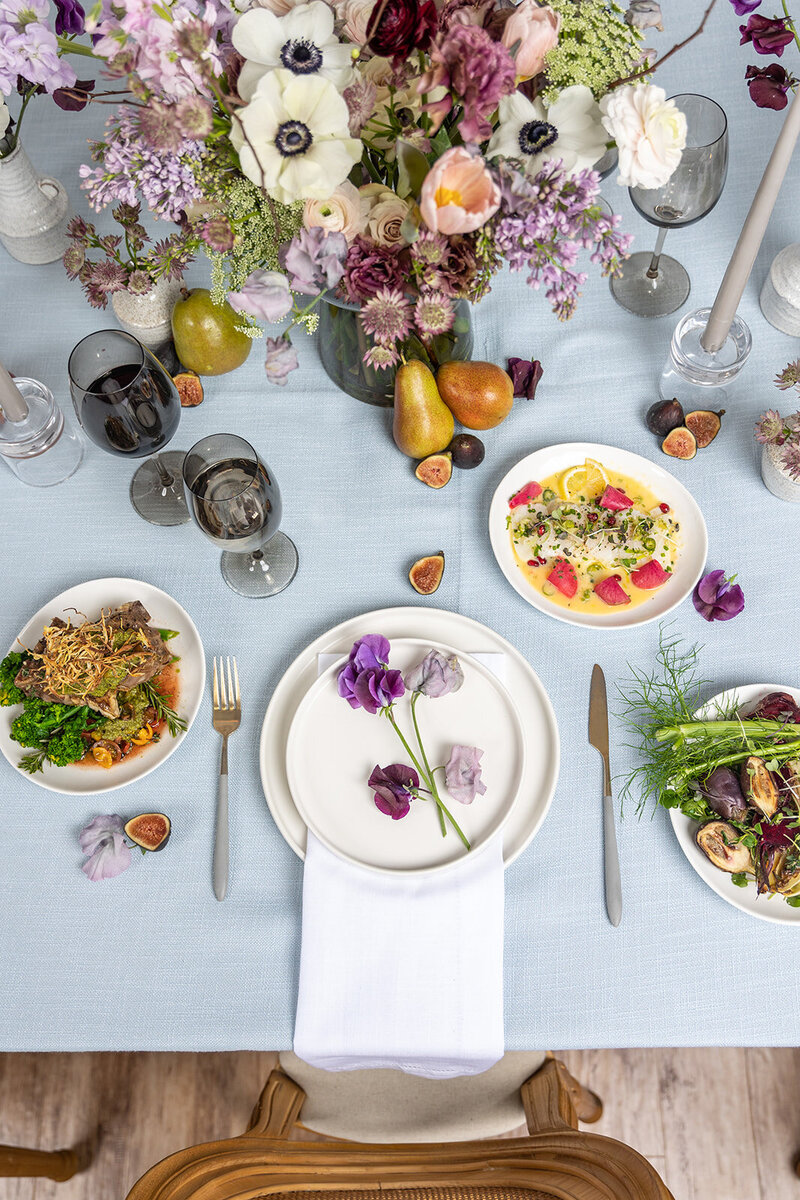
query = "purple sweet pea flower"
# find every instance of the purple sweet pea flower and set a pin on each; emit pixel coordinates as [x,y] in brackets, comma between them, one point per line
[435,676]
[462,774]
[525,375]
[769,85]
[281,360]
[717,598]
[70,17]
[107,853]
[390,785]
[364,681]
[315,260]
[264,294]
[376,689]
[769,35]
[75,98]
[743,7]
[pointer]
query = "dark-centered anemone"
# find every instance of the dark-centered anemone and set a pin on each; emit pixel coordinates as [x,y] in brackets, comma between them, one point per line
[301,56]
[536,136]
[293,137]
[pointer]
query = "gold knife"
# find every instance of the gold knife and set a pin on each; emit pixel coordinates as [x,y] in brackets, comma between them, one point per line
[598,737]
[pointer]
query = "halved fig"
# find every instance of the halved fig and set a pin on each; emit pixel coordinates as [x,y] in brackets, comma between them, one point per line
[190,389]
[720,843]
[759,787]
[680,443]
[435,470]
[426,573]
[149,830]
[705,425]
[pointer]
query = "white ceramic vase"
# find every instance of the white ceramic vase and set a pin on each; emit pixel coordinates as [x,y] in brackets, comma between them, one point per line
[780,295]
[33,211]
[148,318]
[776,479]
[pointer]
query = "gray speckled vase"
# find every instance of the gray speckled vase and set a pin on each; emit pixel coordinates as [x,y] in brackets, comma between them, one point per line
[776,479]
[33,211]
[148,318]
[780,295]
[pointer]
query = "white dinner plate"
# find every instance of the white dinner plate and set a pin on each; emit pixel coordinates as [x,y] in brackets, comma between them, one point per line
[433,626]
[332,749]
[165,613]
[552,459]
[768,908]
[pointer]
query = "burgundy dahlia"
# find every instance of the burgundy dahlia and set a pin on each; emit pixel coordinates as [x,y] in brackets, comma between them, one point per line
[369,268]
[396,27]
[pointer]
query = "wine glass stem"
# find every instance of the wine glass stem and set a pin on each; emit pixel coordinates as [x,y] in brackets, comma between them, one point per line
[167,479]
[652,270]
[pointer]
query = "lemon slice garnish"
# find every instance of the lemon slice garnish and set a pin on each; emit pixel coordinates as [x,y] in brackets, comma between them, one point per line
[588,480]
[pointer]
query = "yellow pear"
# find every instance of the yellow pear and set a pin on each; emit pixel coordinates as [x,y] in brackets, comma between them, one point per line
[205,334]
[423,423]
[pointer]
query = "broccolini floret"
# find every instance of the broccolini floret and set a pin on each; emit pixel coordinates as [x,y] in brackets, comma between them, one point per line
[66,747]
[40,719]
[9,692]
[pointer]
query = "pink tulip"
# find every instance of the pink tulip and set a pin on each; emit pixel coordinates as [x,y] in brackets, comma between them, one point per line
[458,193]
[536,29]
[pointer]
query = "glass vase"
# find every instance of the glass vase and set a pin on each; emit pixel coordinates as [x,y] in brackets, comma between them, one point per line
[343,344]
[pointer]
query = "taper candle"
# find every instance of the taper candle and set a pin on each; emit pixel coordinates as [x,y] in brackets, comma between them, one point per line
[749,243]
[12,402]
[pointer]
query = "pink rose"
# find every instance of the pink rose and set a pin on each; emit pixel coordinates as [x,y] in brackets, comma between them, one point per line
[458,193]
[536,29]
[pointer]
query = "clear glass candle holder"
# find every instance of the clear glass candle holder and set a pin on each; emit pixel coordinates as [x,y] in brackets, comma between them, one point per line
[41,449]
[694,376]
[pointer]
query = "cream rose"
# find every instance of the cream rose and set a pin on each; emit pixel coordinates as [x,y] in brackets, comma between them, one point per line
[385,216]
[355,14]
[279,7]
[650,132]
[343,212]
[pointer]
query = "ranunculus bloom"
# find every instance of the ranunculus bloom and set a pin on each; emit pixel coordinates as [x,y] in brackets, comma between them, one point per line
[370,269]
[103,842]
[462,774]
[650,133]
[264,294]
[769,35]
[536,28]
[342,212]
[281,360]
[525,375]
[314,260]
[716,598]
[436,676]
[402,26]
[769,85]
[458,193]
[390,785]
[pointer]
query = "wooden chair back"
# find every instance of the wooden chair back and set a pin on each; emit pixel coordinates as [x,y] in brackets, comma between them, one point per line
[554,1162]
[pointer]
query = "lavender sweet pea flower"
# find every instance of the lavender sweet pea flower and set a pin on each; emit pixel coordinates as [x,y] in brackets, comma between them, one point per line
[525,375]
[390,785]
[315,260]
[769,35]
[281,360]
[717,598]
[264,294]
[743,7]
[70,17]
[107,853]
[462,774]
[435,676]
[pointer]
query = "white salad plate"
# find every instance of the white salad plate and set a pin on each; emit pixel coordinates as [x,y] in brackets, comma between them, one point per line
[767,908]
[332,749]
[553,459]
[165,613]
[430,626]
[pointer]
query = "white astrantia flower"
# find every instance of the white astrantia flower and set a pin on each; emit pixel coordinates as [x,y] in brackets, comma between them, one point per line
[302,41]
[570,129]
[293,137]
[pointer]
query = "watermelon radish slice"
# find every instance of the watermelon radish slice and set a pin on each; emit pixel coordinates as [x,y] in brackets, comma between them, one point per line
[564,578]
[649,575]
[531,491]
[615,500]
[610,592]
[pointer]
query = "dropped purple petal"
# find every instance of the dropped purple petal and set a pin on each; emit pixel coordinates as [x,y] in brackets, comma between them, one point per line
[103,841]
[462,774]
[99,830]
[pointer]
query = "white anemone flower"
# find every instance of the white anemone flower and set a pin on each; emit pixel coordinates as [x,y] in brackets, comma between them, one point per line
[302,41]
[293,138]
[570,129]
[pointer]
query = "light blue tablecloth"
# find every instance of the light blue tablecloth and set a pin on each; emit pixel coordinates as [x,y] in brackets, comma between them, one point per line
[151,960]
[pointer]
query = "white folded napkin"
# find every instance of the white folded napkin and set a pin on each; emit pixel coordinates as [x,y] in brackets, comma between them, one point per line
[402,971]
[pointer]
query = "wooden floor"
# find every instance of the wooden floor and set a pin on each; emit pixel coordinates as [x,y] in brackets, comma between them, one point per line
[717,1124]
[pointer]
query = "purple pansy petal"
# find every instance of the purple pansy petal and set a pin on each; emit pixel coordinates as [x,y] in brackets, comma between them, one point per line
[525,375]
[716,599]
[462,774]
[769,85]
[437,675]
[709,585]
[390,786]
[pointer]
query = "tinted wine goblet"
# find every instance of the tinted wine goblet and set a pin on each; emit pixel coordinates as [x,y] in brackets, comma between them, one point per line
[128,405]
[234,498]
[652,285]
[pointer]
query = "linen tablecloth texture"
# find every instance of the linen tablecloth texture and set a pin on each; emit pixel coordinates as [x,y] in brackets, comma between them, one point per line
[402,971]
[151,960]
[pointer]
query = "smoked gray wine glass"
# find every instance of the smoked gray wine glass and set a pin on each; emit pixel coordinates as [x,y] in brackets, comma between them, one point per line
[652,285]
[235,499]
[127,404]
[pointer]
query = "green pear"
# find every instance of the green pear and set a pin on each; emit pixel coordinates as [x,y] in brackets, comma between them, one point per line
[423,424]
[205,334]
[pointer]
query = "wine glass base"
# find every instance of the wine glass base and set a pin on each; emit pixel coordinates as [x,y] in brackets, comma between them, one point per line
[645,297]
[264,573]
[153,500]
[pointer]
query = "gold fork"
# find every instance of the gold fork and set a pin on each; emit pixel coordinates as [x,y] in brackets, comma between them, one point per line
[226,715]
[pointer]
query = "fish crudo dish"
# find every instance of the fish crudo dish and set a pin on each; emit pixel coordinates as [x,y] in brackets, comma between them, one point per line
[591,539]
[92,691]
